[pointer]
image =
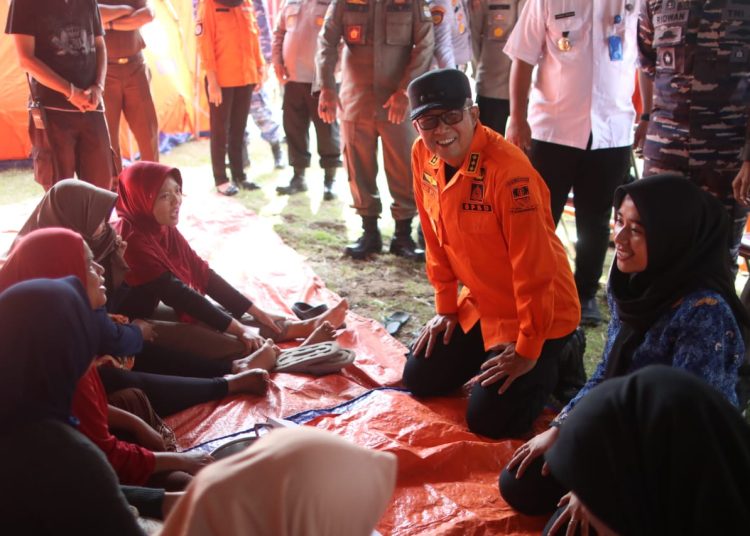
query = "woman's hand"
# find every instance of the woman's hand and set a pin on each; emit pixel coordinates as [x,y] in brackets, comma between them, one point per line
[532,449]
[575,515]
[267,319]
[432,330]
[147,330]
[192,462]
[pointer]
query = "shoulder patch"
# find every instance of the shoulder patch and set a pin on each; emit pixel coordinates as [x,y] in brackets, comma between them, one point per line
[521,200]
[199,28]
[438,14]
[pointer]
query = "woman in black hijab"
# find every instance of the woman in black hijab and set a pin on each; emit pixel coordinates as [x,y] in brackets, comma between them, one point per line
[672,302]
[657,452]
[53,480]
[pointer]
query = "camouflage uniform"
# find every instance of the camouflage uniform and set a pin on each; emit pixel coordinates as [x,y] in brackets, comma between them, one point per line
[698,54]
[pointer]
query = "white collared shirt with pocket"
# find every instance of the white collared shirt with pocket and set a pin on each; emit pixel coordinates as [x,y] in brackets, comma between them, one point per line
[580,91]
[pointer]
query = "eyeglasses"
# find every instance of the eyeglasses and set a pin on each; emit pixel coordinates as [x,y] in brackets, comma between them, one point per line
[451,117]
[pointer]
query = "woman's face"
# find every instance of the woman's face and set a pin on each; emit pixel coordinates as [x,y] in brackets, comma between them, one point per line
[95,289]
[630,238]
[167,205]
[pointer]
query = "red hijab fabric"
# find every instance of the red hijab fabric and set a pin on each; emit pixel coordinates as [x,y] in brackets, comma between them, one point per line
[51,253]
[154,249]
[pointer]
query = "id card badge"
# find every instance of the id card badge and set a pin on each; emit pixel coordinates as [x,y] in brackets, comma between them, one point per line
[615,47]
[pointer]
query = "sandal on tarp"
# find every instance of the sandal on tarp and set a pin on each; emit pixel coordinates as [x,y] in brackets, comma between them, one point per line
[238,445]
[316,359]
[394,322]
[305,311]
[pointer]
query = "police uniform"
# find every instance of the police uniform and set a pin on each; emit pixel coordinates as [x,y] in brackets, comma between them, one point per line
[492,22]
[581,114]
[387,44]
[295,40]
[698,54]
[126,89]
[494,260]
[453,46]
[228,44]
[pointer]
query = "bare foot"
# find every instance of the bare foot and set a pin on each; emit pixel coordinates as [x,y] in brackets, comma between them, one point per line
[324,332]
[334,316]
[263,358]
[253,382]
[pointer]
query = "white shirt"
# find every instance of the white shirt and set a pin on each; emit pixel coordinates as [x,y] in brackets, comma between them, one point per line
[581,91]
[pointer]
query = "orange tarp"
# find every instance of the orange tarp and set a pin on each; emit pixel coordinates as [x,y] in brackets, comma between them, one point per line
[447,479]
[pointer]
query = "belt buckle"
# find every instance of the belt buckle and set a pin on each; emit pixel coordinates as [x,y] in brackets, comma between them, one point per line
[122,61]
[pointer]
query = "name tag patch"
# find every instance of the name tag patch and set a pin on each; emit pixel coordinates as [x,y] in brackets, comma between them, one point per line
[476,207]
[565,15]
[670,18]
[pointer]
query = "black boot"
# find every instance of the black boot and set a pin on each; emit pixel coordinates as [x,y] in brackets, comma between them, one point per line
[369,242]
[278,156]
[403,245]
[330,175]
[297,184]
[242,182]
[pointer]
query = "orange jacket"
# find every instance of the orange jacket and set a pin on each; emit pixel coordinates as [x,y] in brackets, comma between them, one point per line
[491,229]
[228,43]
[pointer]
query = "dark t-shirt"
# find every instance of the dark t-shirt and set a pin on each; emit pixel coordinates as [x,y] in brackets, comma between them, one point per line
[64,33]
[121,43]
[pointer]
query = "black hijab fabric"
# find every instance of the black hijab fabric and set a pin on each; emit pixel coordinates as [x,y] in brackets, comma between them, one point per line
[657,452]
[49,338]
[687,237]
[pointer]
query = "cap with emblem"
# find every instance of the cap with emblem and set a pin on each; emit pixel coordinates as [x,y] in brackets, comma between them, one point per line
[443,88]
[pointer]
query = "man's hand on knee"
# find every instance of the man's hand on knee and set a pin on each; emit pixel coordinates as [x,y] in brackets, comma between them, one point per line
[507,364]
[432,330]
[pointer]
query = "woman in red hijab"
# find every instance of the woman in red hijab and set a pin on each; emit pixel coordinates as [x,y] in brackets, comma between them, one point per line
[56,252]
[163,266]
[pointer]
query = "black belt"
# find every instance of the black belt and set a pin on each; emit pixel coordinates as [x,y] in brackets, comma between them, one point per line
[125,60]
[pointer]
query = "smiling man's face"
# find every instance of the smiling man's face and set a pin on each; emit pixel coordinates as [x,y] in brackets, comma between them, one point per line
[450,142]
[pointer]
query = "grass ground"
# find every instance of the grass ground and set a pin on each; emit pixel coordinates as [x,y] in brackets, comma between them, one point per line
[319,231]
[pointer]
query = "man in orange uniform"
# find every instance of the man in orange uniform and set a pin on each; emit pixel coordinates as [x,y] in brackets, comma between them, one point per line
[230,51]
[487,225]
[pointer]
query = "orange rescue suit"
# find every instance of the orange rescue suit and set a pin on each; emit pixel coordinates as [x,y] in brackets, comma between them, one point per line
[490,228]
[228,43]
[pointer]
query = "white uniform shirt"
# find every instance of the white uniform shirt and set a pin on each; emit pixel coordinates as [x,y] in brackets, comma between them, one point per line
[580,91]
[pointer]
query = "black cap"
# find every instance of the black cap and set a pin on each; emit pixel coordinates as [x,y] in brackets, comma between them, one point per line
[442,88]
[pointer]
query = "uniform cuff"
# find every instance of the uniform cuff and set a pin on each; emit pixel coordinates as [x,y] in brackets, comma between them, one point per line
[529,347]
[446,301]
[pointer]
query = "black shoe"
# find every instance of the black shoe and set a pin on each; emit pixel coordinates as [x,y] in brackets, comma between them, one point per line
[369,242]
[590,314]
[229,191]
[296,185]
[278,156]
[247,185]
[328,194]
[404,246]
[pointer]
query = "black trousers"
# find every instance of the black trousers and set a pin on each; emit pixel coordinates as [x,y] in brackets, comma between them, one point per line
[300,108]
[535,495]
[594,175]
[167,394]
[227,122]
[489,413]
[493,113]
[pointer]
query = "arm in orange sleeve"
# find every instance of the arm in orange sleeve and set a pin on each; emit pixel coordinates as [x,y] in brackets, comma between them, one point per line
[206,34]
[439,270]
[132,463]
[532,257]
